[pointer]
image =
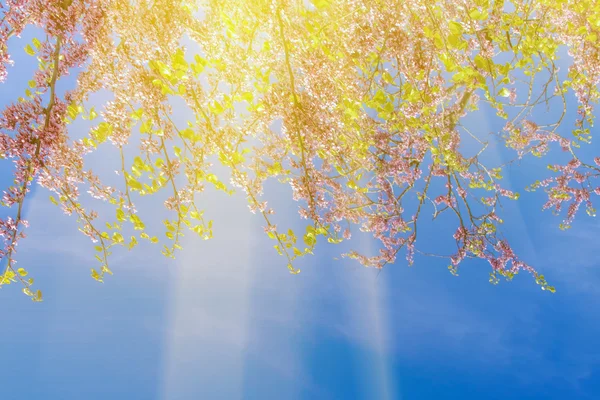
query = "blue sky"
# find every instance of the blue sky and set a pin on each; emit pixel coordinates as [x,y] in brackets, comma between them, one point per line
[226,320]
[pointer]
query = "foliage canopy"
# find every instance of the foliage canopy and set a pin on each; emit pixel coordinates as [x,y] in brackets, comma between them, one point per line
[370,97]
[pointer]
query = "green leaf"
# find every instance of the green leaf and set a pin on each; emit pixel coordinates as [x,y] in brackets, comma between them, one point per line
[117,237]
[146,126]
[201,61]
[162,69]
[309,239]
[321,4]
[188,134]
[197,68]
[96,275]
[179,62]
[29,50]
[455,28]
[248,96]
[475,14]
[379,98]
[137,115]
[22,272]
[132,243]
[102,132]
[480,62]
[454,41]
[217,108]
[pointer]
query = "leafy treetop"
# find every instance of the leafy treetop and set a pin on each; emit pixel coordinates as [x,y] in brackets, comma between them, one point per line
[370,96]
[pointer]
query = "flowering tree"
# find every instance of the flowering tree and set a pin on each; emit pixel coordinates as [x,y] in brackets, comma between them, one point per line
[370,97]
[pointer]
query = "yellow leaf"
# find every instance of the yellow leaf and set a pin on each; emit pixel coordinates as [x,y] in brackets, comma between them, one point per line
[96,276]
[29,50]
[480,62]
[504,92]
[117,237]
[475,14]
[455,28]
